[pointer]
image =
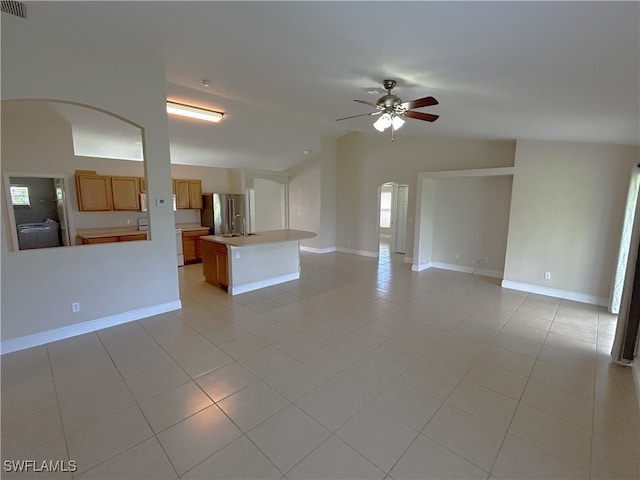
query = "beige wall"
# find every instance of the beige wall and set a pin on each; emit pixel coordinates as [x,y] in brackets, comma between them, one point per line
[367,160]
[114,282]
[471,218]
[566,216]
[270,201]
[312,197]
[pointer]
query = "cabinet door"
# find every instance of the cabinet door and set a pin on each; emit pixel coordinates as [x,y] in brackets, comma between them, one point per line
[126,193]
[133,238]
[223,273]
[182,193]
[92,241]
[197,234]
[195,194]
[94,192]
[189,249]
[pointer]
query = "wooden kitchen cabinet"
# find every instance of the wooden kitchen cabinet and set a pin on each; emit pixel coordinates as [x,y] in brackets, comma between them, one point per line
[191,245]
[126,193]
[181,190]
[188,193]
[215,264]
[133,238]
[112,239]
[93,241]
[222,270]
[94,192]
[195,194]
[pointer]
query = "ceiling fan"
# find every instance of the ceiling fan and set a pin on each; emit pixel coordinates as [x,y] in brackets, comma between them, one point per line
[391,110]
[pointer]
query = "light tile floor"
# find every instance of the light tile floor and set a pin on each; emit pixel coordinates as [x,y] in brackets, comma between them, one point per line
[361,369]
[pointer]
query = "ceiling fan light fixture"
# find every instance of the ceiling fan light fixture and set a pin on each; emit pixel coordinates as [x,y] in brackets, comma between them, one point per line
[397,122]
[383,122]
[194,112]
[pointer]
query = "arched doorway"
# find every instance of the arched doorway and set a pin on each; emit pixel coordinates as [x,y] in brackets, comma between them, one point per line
[393,200]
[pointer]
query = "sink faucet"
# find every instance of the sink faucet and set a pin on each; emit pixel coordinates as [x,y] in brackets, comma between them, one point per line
[243,230]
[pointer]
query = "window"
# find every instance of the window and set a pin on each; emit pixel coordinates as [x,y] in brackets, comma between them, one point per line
[20,195]
[385,209]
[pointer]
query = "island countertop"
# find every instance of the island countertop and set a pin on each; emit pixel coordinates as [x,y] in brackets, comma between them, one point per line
[269,236]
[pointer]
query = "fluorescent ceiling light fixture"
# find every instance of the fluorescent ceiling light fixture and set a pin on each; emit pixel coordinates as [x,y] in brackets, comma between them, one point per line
[194,112]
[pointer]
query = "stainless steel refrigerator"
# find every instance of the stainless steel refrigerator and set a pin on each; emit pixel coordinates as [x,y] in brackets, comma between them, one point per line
[222,213]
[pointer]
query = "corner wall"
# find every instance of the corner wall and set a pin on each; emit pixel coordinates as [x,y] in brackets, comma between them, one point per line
[367,160]
[566,217]
[113,282]
[312,198]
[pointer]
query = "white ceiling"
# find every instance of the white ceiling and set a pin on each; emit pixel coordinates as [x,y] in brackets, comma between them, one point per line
[283,72]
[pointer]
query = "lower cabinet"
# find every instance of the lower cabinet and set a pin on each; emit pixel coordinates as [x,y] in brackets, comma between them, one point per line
[191,245]
[113,239]
[215,264]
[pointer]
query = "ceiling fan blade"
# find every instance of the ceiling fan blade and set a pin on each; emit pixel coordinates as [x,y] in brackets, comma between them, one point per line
[362,115]
[420,102]
[366,103]
[427,117]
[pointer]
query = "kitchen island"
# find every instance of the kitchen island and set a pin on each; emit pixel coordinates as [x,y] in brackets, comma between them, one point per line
[242,264]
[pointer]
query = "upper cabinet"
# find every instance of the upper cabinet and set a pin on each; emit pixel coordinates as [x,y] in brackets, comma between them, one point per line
[126,193]
[99,193]
[94,191]
[195,194]
[188,193]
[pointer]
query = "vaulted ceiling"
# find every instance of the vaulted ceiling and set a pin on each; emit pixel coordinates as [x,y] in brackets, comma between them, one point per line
[283,72]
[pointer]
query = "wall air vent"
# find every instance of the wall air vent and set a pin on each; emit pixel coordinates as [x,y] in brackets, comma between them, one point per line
[18,9]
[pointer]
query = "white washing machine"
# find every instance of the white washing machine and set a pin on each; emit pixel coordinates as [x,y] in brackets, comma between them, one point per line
[179,247]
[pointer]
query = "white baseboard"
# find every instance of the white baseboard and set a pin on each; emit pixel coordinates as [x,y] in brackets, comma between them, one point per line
[250,287]
[317,250]
[420,266]
[41,338]
[556,293]
[462,268]
[364,253]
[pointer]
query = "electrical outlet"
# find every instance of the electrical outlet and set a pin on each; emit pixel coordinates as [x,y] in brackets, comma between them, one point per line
[457,256]
[547,275]
[75,307]
[237,254]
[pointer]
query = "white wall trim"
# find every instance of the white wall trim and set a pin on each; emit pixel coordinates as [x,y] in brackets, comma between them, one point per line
[557,293]
[249,287]
[317,250]
[463,268]
[365,253]
[41,338]
[420,267]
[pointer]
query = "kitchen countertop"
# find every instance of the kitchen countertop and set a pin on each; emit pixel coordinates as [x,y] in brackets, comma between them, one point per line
[187,227]
[88,233]
[269,236]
